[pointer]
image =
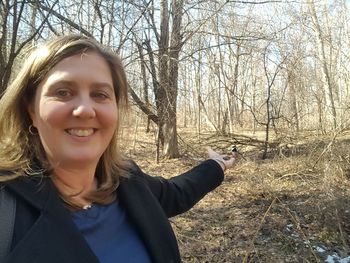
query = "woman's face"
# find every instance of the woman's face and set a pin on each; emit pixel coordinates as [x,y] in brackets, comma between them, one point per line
[75,110]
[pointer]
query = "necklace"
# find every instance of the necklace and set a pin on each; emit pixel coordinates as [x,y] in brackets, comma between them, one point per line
[87,207]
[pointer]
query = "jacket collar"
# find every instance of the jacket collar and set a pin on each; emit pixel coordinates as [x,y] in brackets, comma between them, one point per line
[34,190]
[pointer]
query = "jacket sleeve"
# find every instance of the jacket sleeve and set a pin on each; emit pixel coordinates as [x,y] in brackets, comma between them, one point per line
[180,193]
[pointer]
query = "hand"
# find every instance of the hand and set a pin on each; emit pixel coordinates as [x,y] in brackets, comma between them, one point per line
[225,161]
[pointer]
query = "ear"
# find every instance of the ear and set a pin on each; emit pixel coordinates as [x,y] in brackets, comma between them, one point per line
[31,112]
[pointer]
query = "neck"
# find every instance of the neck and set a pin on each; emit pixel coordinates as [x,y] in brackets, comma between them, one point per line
[75,183]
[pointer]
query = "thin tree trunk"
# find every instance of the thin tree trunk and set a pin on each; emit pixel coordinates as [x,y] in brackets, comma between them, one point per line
[325,70]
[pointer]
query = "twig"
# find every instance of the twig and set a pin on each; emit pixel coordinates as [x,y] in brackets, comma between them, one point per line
[341,232]
[299,228]
[245,260]
[330,143]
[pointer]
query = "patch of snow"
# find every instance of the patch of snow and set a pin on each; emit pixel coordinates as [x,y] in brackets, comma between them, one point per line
[329,259]
[336,259]
[319,249]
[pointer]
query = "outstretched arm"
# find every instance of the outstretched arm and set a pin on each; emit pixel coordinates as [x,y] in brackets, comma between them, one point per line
[180,193]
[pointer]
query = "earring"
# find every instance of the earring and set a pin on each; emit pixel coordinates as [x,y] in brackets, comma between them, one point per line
[30,129]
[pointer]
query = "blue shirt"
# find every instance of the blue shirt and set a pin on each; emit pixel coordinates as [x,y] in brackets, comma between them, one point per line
[110,236]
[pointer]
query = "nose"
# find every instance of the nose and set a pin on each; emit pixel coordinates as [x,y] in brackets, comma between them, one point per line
[84,108]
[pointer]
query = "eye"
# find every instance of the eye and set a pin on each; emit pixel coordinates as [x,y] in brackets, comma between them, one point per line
[63,93]
[101,95]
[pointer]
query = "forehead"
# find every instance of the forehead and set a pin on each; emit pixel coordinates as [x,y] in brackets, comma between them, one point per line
[83,58]
[88,66]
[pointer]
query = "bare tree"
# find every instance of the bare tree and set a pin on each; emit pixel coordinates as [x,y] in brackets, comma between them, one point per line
[270,79]
[16,33]
[206,55]
[327,77]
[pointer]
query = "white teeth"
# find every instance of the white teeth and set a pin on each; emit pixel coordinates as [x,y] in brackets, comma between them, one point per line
[80,132]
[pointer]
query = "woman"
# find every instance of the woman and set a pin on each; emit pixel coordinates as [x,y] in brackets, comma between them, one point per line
[77,199]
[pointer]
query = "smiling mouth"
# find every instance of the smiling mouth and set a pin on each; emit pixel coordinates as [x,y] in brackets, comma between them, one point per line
[80,132]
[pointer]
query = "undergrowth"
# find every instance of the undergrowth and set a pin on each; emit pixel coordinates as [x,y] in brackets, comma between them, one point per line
[293,206]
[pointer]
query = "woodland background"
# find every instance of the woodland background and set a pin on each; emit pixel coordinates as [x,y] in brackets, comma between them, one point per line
[271,77]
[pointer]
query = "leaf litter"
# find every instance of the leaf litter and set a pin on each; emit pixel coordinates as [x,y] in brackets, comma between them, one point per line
[292,207]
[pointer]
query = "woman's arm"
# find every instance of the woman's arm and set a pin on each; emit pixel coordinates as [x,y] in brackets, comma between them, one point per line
[180,193]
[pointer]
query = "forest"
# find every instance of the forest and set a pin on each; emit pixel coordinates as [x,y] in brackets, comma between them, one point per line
[271,77]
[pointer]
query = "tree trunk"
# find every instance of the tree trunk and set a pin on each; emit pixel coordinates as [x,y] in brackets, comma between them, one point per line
[144,81]
[161,90]
[326,76]
[168,75]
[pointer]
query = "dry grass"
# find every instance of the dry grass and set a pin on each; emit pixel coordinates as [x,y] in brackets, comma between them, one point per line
[275,210]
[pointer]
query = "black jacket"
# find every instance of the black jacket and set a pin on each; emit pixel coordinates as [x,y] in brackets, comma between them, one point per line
[44,231]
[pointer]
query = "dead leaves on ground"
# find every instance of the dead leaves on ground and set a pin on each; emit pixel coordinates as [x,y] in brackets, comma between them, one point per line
[284,209]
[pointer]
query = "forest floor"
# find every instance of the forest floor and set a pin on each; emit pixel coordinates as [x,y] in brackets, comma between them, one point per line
[293,206]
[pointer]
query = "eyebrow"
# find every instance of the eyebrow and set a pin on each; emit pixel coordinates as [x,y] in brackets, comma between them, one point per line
[103,85]
[54,84]
[99,84]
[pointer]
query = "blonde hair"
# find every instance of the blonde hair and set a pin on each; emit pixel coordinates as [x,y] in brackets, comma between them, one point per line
[20,151]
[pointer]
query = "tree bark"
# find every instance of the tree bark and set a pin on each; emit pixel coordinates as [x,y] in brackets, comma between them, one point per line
[327,79]
[166,92]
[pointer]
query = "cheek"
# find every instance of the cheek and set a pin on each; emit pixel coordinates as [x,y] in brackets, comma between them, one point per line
[51,114]
[109,116]
[112,125]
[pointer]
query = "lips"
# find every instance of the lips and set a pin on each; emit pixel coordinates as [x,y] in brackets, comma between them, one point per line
[80,132]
